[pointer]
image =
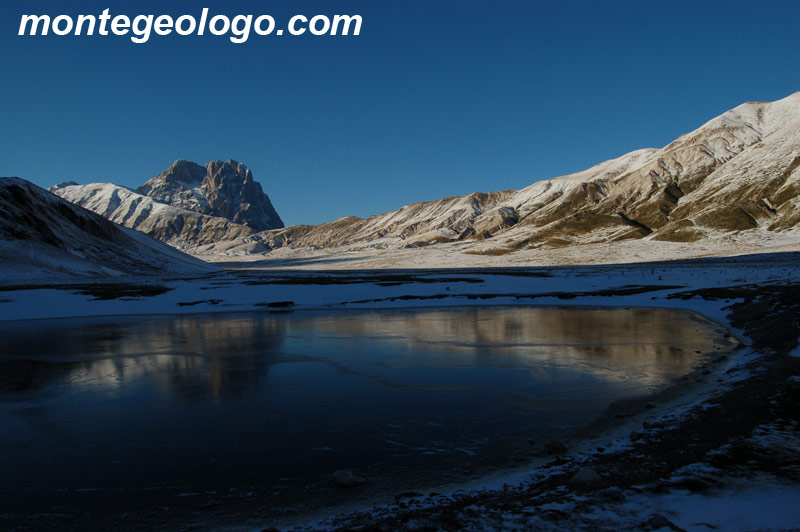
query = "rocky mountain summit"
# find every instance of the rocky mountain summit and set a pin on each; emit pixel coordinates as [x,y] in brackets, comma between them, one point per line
[185,206]
[223,189]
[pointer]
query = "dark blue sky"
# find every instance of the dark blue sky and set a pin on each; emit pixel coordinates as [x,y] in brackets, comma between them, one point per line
[434,98]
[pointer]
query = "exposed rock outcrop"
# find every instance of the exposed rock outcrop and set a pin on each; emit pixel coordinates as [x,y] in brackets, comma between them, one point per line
[223,189]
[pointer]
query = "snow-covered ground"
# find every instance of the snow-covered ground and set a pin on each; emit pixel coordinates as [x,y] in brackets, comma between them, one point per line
[483,255]
[254,289]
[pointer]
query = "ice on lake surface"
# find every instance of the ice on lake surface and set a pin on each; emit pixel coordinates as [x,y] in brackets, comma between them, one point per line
[126,408]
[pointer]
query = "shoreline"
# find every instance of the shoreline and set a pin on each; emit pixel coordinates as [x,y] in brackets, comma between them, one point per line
[538,495]
[548,480]
[614,423]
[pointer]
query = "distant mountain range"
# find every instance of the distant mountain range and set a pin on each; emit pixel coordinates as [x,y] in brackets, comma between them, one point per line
[738,173]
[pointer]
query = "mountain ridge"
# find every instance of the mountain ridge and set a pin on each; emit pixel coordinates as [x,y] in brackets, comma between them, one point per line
[42,234]
[186,205]
[647,193]
[691,189]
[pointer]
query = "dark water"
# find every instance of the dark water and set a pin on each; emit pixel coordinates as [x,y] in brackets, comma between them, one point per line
[269,405]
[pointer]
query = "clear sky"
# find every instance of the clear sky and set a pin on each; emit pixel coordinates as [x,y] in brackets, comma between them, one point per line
[434,98]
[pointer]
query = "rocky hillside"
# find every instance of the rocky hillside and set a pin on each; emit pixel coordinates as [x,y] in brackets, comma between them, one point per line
[185,206]
[42,234]
[737,172]
[180,228]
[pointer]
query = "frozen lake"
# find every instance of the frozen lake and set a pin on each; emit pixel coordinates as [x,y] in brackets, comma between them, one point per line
[111,415]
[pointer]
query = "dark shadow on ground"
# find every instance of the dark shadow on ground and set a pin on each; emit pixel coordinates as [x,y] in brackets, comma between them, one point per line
[288,263]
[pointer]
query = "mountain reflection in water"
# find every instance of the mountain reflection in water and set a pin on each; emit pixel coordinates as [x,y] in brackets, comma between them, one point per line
[137,406]
[226,355]
[189,356]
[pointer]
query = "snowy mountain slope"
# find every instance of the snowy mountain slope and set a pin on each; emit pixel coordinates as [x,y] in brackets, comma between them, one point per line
[663,192]
[181,228]
[454,218]
[223,189]
[758,188]
[736,172]
[185,206]
[44,235]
